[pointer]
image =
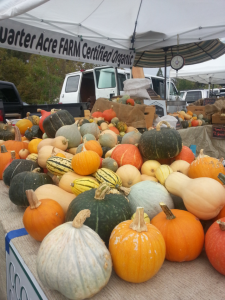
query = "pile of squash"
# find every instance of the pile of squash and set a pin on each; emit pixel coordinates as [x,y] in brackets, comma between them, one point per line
[107,200]
[189,119]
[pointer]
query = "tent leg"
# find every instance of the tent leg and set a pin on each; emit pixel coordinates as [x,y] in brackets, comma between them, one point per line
[209,90]
[165,76]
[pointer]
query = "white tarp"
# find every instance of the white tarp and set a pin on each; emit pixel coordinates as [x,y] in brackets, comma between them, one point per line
[112,22]
[212,71]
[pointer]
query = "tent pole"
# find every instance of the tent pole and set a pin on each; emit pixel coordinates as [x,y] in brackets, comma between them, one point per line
[165,74]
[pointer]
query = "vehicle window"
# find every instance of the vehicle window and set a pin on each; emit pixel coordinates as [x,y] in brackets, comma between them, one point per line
[72,84]
[181,94]
[193,96]
[172,89]
[128,75]
[105,78]
[8,94]
[158,86]
[121,79]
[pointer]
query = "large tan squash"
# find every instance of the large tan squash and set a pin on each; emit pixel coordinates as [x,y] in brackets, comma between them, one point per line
[149,167]
[146,177]
[51,191]
[129,175]
[58,142]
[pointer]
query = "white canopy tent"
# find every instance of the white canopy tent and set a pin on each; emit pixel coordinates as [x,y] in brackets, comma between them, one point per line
[210,72]
[124,24]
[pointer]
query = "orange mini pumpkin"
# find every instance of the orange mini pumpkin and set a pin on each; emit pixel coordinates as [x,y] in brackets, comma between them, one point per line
[190,113]
[32,146]
[182,231]
[60,155]
[16,144]
[23,125]
[41,216]
[94,146]
[137,249]
[205,166]
[6,157]
[85,162]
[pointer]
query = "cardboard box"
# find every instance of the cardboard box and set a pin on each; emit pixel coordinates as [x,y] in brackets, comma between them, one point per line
[218,118]
[197,110]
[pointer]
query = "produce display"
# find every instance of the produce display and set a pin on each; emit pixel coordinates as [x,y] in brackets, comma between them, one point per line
[189,119]
[100,195]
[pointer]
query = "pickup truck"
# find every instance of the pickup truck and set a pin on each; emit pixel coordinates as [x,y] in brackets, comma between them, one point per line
[12,107]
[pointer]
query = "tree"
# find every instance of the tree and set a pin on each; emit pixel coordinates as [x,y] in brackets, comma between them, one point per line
[159,73]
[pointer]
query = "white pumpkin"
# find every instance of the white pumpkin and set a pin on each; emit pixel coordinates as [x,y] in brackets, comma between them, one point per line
[74,260]
[129,175]
[149,194]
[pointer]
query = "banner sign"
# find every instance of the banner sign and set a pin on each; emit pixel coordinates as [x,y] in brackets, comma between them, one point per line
[21,37]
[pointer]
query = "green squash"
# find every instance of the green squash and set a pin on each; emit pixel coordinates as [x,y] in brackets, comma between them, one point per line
[71,133]
[33,132]
[160,143]
[200,116]
[7,132]
[114,121]
[105,150]
[17,166]
[107,210]
[184,124]
[26,181]
[54,121]
[89,137]
[132,137]
[79,148]
[83,121]
[90,128]
[119,139]
[110,163]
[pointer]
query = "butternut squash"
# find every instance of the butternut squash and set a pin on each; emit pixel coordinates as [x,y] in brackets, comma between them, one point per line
[59,142]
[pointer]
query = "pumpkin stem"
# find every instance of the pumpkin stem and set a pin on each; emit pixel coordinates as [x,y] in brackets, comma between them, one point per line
[28,114]
[13,154]
[3,149]
[17,134]
[36,170]
[32,199]
[80,218]
[72,184]
[221,224]
[125,190]
[167,211]
[101,191]
[65,141]
[160,123]
[221,177]
[221,159]
[201,154]
[138,223]
[55,180]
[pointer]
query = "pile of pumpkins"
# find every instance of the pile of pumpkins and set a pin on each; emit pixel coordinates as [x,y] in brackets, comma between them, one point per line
[103,200]
[189,119]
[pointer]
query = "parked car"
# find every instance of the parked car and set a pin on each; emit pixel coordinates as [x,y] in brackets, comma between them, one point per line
[191,96]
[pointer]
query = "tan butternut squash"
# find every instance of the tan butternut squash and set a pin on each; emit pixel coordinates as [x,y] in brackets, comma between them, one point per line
[59,142]
[181,166]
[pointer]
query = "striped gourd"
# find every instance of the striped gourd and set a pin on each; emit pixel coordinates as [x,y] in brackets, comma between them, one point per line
[108,176]
[59,165]
[33,157]
[83,184]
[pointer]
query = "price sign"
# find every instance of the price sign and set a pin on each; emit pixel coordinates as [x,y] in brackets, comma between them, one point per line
[218,132]
[208,101]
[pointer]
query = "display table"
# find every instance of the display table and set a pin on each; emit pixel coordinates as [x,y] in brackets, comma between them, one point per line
[201,136]
[187,280]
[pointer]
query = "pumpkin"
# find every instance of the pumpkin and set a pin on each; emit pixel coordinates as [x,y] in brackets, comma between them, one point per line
[203,197]
[16,144]
[32,146]
[146,218]
[54,192]
[34,119]
[182,231]
[80,281]
[160,142]
[185,154]
[17,166]
[44,114]
[110,164]
[23,125]
[59,142]
[129,175]
[130,102]
[184,124]
[41,216]
[194,122]
[71,134]
[127,154]
[180,166]
[81,185]
[149,194]
[162,173]
[94,146]
[190,113]
[137,249]
[23,153]
[86,162]
[107,210]
[89,137]
[7,132]
[132,137]
[33,132]
[215,245]
[121,126]
[149,167]
[47,151]
[97,114]
[90,128]
[60,155]
[114,129]
[111,133]
[206,167]
[5,159]
[146,177]
[109,114]
[24,181]
[181,117]
[107,140]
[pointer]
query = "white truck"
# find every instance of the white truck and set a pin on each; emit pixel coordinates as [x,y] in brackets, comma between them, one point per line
[105,82]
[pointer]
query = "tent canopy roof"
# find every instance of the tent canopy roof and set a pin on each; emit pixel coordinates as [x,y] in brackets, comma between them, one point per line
[212,71]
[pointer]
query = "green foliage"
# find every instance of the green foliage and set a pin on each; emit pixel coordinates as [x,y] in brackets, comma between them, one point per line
[159,73]
[39,79]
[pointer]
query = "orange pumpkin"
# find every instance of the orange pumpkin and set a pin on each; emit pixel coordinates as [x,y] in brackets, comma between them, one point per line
[32,146]
[23,125]
[127,154]
[41,216]
[85,162]
[205,166]
[114,129]
[190,113]
[23,153]
[16,144]
[5,158]
[94,146]
[109,114]
[185,154]
[137,249]
[182,231]
[194,122]
[181,116]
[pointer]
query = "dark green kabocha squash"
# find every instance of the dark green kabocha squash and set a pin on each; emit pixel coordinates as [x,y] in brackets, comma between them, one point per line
[184,124]
[160,143]
[7,132]
[107,210]
[26,181]
[105,150]
[17,166]
[54,121]
[33,132]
